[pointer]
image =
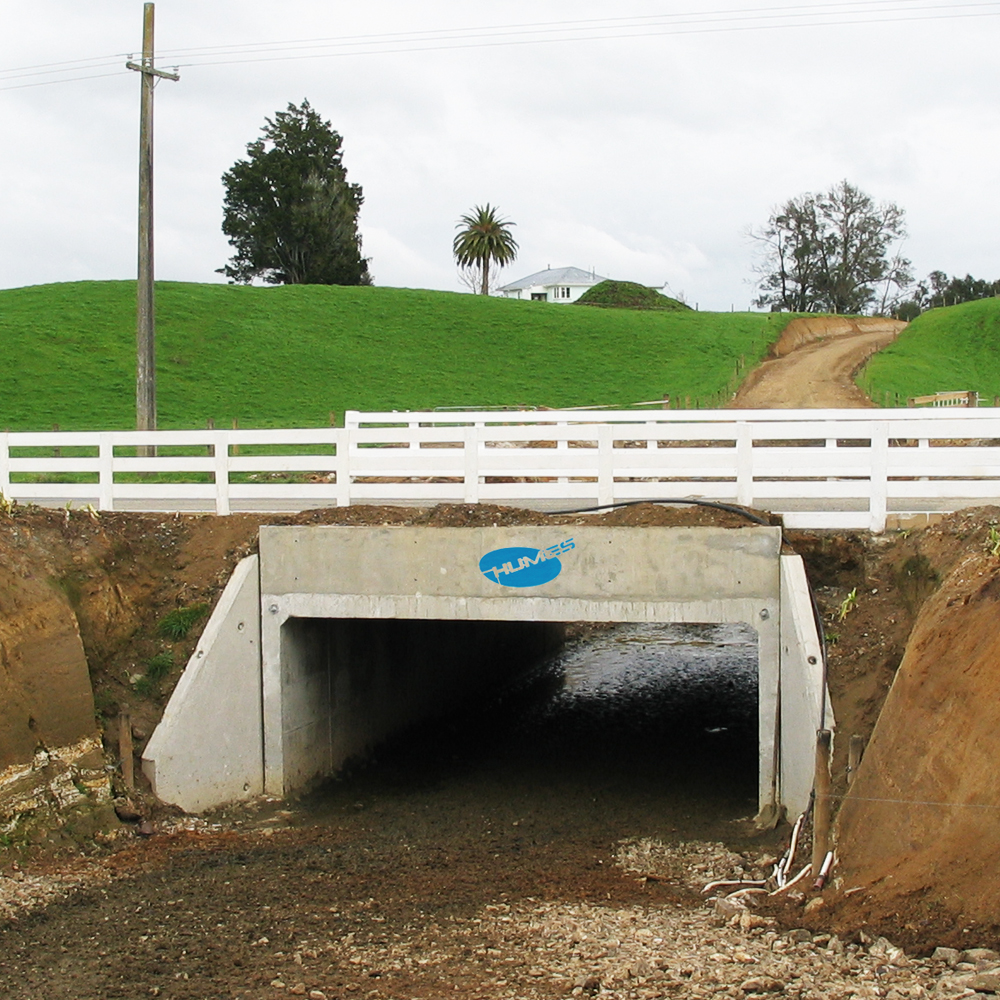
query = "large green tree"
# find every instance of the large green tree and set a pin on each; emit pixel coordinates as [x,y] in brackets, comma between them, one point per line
[290,213]
[831,252]
[483,245]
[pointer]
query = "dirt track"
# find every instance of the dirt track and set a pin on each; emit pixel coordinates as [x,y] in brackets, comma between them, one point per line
[815,363]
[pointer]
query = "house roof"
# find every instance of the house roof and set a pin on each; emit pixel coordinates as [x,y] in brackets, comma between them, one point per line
[555,276]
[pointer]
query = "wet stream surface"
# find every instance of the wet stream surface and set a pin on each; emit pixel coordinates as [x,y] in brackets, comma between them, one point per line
[637,731]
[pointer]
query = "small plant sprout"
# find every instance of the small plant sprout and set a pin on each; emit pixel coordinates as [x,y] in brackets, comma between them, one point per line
[848,604]
[993,540]
[7,504]
[93,512]
[176,625]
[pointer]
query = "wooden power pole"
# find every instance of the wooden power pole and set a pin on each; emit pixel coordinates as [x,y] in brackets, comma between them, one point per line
[145,369]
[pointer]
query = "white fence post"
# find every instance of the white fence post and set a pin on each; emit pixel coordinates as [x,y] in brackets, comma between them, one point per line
[605,464]
[470,439]
[221,439]
[342,439]
[744,464]
[879,485]
[5,464]
[106,473]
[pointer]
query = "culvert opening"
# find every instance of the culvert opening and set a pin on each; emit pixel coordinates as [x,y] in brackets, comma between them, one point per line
[631,729]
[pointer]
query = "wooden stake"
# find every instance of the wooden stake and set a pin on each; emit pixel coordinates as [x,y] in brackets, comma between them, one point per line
[821,807]
[855,752]
[125,750]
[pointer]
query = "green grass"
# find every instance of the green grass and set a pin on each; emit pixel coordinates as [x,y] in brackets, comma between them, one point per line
[176,624]
[287,356]
[943,350]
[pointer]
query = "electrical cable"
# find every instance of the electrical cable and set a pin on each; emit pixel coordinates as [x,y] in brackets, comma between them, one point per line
[851,12]
[686,501]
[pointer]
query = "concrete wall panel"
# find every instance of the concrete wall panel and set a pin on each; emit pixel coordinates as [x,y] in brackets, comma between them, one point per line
[207,749]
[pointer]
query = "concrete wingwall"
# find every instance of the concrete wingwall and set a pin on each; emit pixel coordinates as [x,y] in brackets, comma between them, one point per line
[804,700]
[339,637]
[208,747]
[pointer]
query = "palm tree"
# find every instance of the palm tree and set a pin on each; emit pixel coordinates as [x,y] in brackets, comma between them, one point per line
[483,241]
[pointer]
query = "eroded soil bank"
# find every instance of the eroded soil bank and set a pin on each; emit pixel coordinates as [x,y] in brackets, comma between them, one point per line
[425,898]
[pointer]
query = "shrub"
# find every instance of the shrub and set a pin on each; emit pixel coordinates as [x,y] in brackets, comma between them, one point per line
[628,295]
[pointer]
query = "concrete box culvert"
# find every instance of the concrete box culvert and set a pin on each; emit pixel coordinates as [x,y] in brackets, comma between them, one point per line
[330,685]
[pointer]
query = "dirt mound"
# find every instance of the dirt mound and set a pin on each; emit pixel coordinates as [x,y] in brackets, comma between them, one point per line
[919,828]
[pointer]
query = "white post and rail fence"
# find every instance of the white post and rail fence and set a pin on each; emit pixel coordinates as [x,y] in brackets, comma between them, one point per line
[848,469]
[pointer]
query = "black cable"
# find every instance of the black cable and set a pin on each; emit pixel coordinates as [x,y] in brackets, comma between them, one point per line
[716,505]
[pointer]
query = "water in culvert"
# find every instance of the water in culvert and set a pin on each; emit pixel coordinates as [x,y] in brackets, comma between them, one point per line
[633,730]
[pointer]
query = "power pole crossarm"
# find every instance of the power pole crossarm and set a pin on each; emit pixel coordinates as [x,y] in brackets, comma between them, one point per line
[155,72]
[145,372]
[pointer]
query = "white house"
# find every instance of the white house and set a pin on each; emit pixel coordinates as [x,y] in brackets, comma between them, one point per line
[559,284]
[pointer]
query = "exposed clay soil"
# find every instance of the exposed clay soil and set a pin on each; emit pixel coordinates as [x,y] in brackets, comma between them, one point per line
[814,362]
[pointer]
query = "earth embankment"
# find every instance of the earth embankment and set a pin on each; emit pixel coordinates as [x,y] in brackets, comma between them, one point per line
[919,826]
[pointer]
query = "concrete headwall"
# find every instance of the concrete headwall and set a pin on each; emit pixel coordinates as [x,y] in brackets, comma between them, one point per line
[208,749]
[601,574]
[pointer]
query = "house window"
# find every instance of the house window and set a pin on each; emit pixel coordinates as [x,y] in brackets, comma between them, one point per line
[538,296]
[563,293]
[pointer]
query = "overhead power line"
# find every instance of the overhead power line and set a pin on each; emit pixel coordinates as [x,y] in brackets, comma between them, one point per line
[810,15]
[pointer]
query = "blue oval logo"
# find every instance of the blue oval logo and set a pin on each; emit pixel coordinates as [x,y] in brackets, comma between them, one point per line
[520,567]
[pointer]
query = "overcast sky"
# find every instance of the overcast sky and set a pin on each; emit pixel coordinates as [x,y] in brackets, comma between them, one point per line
[646,152]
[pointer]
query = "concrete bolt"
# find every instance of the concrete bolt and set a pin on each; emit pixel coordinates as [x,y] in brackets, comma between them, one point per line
[764,615]
[273,609]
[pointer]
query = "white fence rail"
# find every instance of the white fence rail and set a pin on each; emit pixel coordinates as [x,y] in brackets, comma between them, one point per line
[818,468]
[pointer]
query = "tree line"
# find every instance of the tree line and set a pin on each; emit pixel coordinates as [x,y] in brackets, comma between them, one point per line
[291,216]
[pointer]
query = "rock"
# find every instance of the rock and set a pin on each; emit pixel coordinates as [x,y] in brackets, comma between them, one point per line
[814,904]
[726,908]
[949,955]
[146,829]
[299,989]
[317,995]
[985,982]
[277,984]
[979,955]
[126,810]
[762,984]
[748,921]
[799,936]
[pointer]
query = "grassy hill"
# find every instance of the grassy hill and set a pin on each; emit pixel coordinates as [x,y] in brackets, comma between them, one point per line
[943,350]
[287,356]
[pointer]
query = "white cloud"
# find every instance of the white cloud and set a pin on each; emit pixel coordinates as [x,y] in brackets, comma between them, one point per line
[646,157]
